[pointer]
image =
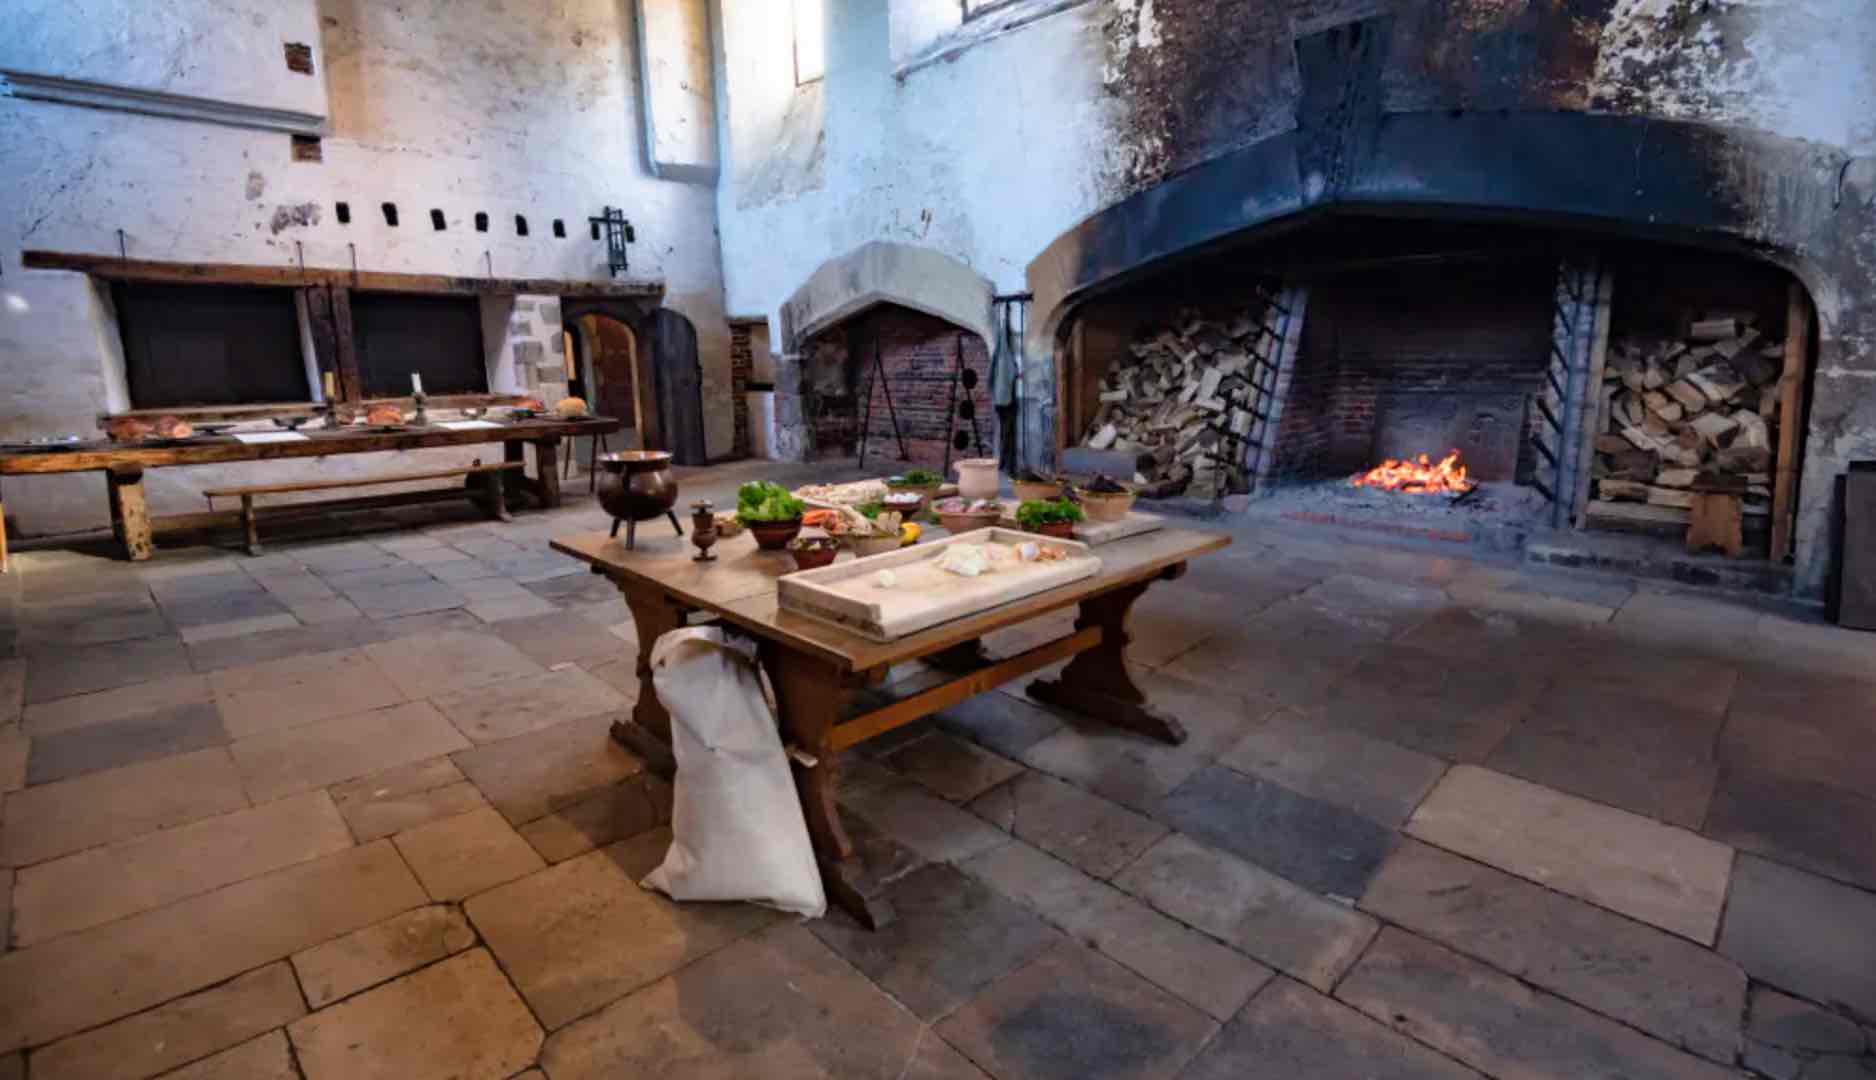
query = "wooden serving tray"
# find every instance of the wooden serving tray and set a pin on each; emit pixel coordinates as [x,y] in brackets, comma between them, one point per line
[848,594]
[1095,533]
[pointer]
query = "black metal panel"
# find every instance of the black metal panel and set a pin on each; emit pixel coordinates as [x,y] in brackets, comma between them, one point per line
[210,345]
[437,337]
[1856,598]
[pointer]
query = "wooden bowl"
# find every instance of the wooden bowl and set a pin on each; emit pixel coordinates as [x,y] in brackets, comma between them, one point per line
[906,502]
[955,523]
[774,535]
[1037,490]
[874,545]
[1105,507]
[814,554]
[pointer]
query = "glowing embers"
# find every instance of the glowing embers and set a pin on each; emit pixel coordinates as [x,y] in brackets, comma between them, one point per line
[1420,477]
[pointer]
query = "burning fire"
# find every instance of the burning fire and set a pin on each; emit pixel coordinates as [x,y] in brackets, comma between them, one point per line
[1420,477]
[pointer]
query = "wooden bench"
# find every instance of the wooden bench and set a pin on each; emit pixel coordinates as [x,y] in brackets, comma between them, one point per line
[484,484]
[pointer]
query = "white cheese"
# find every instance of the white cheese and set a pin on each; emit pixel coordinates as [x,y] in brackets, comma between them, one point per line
[965,560]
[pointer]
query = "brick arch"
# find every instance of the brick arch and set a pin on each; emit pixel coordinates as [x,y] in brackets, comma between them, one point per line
[882,272]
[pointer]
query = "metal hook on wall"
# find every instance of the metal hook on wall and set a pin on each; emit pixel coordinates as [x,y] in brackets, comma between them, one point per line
[299,250]
[123,245]
[488,263]
[353,248]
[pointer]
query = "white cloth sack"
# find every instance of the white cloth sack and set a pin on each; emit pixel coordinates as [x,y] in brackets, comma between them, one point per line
[737,830]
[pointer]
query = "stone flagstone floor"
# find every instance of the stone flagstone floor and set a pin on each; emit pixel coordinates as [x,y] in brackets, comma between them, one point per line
[349,810]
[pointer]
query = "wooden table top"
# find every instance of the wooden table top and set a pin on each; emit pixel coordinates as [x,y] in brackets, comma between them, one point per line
[214,449]
[740,587]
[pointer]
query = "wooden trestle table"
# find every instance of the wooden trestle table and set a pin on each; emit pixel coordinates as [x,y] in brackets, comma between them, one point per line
[123,464]
[831,685]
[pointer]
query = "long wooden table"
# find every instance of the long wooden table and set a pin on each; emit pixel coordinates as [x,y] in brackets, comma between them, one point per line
[831,685]
[124,465]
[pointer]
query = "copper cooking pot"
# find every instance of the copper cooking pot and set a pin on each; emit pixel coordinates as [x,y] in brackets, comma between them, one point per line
[635,486]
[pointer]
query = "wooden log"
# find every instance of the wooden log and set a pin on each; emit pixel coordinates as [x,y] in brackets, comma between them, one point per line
[1714,426]
[1674,497]
[1690,396]
[1719,382]
[1676,478]
[1623,490]
[1662,405]
[1790,401]
[1713,329]
[1716,522]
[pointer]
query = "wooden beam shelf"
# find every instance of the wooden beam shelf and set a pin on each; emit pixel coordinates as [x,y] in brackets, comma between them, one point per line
[112,268]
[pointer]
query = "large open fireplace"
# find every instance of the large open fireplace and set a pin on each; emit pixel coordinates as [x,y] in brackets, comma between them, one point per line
[1453,380]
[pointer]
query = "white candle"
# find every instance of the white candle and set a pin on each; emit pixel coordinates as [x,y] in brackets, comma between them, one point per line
[416,383]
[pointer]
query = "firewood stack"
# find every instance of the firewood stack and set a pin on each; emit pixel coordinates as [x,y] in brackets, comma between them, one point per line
[1167,401]
[1674,410]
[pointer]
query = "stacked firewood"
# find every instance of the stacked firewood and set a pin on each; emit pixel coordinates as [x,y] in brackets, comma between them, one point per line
[1172,398]
[1677,409]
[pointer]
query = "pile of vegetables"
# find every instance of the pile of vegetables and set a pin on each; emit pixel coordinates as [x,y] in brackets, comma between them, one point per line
[1036,513]
[761,501]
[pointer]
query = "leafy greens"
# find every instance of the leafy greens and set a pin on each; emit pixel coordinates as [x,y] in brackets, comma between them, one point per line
[763,501]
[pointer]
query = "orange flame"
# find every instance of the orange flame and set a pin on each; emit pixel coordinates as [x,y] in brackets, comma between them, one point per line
[1417,477]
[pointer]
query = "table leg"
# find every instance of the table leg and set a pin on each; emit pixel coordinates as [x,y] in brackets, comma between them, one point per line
[250,525]
[648,732]
[547,472]
[515,481]
[1096,683]
[810,696]
[130,515]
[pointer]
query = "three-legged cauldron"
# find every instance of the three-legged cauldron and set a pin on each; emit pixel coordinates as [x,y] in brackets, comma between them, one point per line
[635,486]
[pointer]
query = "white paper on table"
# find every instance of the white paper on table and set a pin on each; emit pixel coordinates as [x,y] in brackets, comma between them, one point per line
[467,425]
[269,436]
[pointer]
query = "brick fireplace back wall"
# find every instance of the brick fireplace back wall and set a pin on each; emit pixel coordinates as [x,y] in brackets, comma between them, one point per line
[1423,358]
[919,354]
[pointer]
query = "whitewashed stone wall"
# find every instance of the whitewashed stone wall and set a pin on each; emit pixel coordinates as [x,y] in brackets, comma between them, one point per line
[502,106]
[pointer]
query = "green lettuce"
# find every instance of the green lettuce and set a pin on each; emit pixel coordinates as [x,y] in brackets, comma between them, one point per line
[763,501]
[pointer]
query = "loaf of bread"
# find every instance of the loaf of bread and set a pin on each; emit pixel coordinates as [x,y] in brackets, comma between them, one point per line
[127,429]
[570,407]
[384,416]
[173,427]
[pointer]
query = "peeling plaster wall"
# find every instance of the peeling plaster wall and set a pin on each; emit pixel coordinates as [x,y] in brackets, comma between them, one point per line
[226,50]
[504,106]
[984,158]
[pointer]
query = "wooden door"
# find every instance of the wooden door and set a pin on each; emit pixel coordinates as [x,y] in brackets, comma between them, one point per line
[668,346]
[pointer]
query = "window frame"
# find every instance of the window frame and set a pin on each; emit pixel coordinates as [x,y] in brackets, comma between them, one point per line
[977,9]
[794,37]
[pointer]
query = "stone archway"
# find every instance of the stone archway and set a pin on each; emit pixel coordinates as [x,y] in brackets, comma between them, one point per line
[877,278]
[883,272]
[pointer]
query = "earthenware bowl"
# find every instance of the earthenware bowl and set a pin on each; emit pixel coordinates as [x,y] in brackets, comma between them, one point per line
[774,535]
[1104,506]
